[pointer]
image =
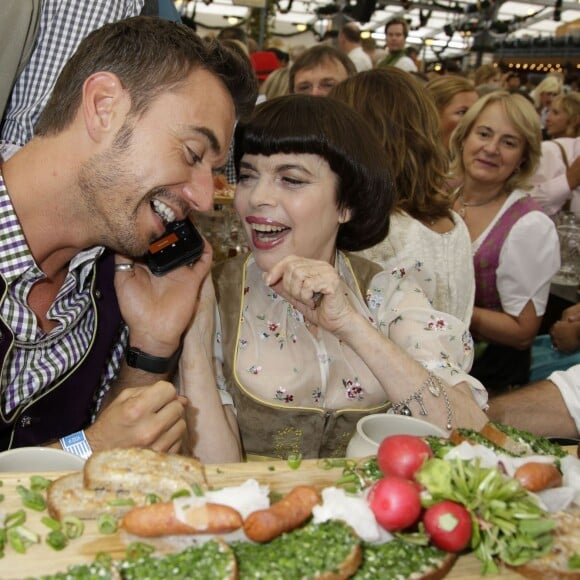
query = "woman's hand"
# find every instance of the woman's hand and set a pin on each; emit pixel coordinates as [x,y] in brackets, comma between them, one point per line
[315,289]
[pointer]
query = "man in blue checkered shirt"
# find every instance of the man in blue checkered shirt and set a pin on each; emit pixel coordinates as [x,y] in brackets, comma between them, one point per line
[139,120]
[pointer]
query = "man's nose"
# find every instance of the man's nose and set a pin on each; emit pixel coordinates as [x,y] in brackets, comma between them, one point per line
[200,192]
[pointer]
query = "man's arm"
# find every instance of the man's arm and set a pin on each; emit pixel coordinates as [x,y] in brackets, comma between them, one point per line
[538,408]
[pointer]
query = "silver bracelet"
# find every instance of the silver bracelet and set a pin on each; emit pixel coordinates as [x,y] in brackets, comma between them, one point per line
[436,388]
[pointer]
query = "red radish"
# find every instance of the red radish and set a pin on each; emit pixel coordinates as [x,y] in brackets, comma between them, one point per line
[395,502]
[449,525]
[402,455]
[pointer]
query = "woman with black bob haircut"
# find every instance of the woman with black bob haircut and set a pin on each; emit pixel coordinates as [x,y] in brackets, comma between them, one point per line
[364,184]
[310,338]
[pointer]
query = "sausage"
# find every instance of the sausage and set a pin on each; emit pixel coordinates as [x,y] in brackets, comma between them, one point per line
[160,519]
[538,476]
[284,516]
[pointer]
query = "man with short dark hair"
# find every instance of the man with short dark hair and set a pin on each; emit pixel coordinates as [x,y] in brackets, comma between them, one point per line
[317,70]
[139,120]
[396,31]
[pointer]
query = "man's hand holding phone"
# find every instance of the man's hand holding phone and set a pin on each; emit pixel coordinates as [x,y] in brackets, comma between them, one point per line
[158,308]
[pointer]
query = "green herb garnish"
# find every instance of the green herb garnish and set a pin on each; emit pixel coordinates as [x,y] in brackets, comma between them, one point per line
[31,499]
[107,524]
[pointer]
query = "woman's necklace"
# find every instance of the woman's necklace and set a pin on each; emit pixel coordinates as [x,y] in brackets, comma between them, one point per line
[465,204]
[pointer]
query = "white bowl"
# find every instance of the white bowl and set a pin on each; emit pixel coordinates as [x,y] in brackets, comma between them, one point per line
[38,459]
[372,429]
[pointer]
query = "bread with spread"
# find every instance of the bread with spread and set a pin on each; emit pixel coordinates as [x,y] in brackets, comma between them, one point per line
[117,480]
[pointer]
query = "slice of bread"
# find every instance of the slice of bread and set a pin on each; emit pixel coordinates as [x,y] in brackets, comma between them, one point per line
[66,496]
[555,564]
[115,481]
[399,559]
[325,551]
[143,469]
[212,560]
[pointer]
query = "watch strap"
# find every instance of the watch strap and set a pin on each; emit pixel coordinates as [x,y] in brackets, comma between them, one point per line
[144,361]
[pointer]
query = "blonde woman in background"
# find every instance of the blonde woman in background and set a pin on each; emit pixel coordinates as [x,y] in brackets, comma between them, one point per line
[563,118]
[495,150]
[544,94]
[453,95]
[426,238]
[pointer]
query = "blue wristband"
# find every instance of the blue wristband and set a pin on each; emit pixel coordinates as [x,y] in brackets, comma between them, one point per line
[77,444]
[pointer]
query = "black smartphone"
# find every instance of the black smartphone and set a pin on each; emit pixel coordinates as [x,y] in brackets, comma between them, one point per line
[180,244]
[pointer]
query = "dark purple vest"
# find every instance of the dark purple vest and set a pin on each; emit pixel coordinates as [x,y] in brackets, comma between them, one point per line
[67,405]
[486,259]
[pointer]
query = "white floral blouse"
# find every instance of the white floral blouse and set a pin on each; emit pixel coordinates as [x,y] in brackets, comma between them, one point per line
[280,362]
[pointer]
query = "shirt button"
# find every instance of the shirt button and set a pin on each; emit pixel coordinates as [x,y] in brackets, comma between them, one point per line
[98,294]
[25,421]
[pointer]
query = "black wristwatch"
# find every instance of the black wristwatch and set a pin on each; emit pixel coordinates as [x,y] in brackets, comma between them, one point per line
[147,362]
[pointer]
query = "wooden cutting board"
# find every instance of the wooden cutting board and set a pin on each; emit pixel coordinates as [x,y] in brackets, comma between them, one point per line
[41,559]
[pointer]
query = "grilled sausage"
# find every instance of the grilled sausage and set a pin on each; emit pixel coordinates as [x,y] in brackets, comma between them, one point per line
[285,515]
[538,476]
[160,519]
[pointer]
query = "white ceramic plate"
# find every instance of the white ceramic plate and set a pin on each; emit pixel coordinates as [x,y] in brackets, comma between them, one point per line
[38,459]
[372,429]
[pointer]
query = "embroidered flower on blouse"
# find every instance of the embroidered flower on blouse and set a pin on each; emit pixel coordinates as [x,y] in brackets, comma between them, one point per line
[352,390]
[467,340]
[273,326]
[293,338]
[418,265]
[374,298]
[317,395]
[398,273]
[255,369]
[437,324]
[283,395]
[447,363]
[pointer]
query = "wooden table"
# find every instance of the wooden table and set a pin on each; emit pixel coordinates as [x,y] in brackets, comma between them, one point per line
[41,559]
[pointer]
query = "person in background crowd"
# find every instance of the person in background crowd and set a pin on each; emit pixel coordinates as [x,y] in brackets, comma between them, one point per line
[426,238]
[563,118]
[487,78]
[556,183]
[495,150]
[513,82]
[325,337]
[551,86]
[369,45]
[560,348]
[317,70]
[350,43]
[396,31]
[453,95]
[138,121]
[413,53]
[62,26]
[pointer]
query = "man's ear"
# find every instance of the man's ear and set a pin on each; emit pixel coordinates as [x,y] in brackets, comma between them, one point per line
[105,104]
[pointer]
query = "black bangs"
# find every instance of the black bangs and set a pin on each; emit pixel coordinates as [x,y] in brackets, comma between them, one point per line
[281,126]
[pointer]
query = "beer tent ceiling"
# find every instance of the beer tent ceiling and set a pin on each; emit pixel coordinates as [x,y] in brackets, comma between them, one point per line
[440,28]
